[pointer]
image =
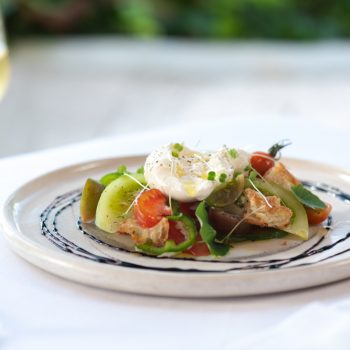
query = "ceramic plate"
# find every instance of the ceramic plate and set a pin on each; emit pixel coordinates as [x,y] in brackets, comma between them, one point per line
[41,225]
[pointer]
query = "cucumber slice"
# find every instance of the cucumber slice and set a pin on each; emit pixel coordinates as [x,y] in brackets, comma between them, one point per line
[116,200]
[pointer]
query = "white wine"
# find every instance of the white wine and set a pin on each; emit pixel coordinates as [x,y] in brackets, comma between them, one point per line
[4,70]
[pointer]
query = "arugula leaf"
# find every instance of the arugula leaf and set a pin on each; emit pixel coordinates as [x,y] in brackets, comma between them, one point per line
[208,233]
[108,178]
[307,198]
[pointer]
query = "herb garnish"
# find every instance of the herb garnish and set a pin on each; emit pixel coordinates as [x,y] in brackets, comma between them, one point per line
[211,175]
[307,198]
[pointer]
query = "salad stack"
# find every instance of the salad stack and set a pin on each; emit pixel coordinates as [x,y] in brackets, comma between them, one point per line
[183,202]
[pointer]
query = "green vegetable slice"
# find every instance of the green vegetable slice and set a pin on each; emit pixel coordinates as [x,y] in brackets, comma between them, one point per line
[115,201]
[208,233]
[90,196]
[226,194]
[307,198]
[259,234]
[170,246]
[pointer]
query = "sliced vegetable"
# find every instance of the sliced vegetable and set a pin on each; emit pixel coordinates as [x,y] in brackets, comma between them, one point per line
[170,246]
[307,198]
[151,207]
[226,194]
[234,208]
[299,225]
[116,200]
[208,233]
[316,216]
[91,194]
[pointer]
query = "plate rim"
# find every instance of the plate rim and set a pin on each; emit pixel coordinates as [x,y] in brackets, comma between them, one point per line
[19,242]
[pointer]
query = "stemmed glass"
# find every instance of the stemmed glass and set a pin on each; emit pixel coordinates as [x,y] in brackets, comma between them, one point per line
[4,64]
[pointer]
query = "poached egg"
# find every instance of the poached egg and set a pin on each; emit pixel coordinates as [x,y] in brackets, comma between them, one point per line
[187,175]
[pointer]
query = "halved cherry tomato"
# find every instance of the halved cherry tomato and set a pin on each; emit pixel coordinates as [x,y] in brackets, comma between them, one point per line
[150,207]
[262,162]
[316,216]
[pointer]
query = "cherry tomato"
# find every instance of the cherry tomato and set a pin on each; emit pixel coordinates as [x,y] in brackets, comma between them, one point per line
[262,162]
[316,216]
[150,207]
[199,248]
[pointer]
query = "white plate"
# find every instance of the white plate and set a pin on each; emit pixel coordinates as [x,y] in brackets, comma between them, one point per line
[257,267]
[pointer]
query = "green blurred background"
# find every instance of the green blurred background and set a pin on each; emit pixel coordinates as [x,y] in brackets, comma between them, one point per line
[216,19]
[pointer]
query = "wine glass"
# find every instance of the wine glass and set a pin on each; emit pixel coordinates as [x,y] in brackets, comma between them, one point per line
[4,64]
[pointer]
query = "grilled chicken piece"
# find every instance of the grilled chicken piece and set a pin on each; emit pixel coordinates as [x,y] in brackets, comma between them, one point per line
[259,213]
[280,175]
[157,234]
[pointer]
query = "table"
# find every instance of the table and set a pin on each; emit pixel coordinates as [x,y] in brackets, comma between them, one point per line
[41,311]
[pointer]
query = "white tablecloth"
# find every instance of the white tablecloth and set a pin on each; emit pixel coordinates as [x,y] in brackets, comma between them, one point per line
[41,311]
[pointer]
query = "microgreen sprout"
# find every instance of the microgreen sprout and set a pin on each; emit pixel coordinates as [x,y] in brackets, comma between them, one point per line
[211,175]
[137,181]
[222,177]
[144,188]
[176,149]
[233,153]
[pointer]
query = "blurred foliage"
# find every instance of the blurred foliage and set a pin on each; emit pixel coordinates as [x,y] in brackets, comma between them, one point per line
[217,19]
